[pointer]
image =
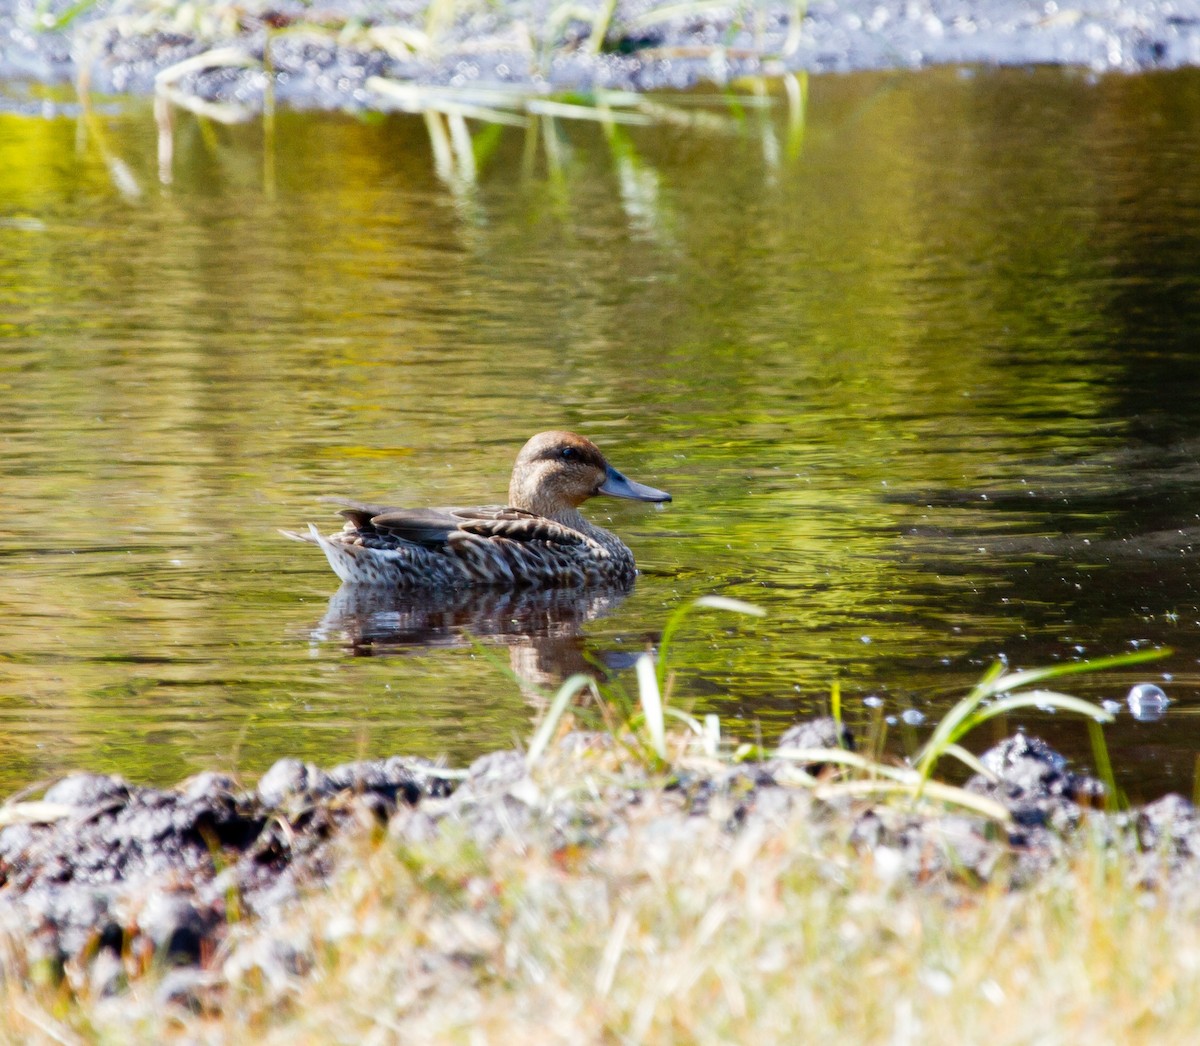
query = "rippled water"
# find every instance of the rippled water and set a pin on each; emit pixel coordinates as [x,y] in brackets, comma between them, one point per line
[915,354]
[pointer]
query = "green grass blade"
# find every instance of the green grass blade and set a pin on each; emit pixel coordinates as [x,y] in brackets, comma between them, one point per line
[735,606]
[948,729]
[1040,699]
[567,111]
[691,722]
[1028,676]
[505,668]
[935,790]
[965,715]
[1115,797]
[44,24]
[969,760]
[652,707]
[854,760]
[600,25]
[566,694]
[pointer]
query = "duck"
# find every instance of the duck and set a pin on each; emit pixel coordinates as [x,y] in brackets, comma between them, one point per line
[538,540]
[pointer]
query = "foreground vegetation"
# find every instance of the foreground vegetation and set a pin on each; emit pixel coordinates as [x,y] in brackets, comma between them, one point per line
[673,936]
[625,892]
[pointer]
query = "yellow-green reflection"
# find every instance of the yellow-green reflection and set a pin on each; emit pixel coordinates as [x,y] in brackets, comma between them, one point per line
[902,347]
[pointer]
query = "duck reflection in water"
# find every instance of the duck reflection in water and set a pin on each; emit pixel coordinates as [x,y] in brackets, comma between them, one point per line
[540,627]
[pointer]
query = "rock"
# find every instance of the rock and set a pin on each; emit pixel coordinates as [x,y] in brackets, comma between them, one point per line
[495,771]
[141,873]
[208,785]
[395,779]
[825,732]
[87,790]
[1170,821]
[289,778]
[176,925]
[1033,782]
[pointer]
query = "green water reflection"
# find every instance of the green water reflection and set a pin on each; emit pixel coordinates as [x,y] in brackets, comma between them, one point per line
[916,357]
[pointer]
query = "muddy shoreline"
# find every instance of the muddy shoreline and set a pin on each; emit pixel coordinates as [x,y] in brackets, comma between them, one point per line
[106,877]
[329,56]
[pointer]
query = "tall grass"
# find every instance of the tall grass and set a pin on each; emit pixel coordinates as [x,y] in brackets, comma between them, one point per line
[999,693]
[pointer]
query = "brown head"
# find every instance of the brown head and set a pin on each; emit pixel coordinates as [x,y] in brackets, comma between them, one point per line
[556,472]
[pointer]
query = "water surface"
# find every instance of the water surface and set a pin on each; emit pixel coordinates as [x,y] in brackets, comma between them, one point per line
[915,354]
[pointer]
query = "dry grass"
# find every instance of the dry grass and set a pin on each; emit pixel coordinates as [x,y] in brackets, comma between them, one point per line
[672,929]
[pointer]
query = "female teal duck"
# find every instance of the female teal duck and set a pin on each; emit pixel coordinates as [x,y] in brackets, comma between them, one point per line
[539,539]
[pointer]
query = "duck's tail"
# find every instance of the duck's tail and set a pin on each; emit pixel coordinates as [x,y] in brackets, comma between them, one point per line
[313,537]
[354,563]
[341,557]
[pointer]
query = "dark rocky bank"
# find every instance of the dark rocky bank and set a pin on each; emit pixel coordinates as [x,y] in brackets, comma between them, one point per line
[324,55]
[100,869]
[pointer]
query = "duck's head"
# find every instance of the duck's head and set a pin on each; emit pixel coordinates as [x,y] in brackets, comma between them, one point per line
[558,471]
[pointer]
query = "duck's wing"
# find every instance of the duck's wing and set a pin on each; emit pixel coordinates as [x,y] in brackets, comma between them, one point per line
[357,512]
[515,525]
[433,527]
[429,527]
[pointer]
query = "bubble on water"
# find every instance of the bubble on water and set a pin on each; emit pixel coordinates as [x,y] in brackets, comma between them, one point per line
[1110,706]
[873,701]
[1147,702]
[912,717]
[890,720]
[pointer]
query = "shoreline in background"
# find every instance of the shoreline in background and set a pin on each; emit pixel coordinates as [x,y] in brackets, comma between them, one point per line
[351,54]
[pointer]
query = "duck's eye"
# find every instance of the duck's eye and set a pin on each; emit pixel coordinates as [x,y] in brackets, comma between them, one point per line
[569,454]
